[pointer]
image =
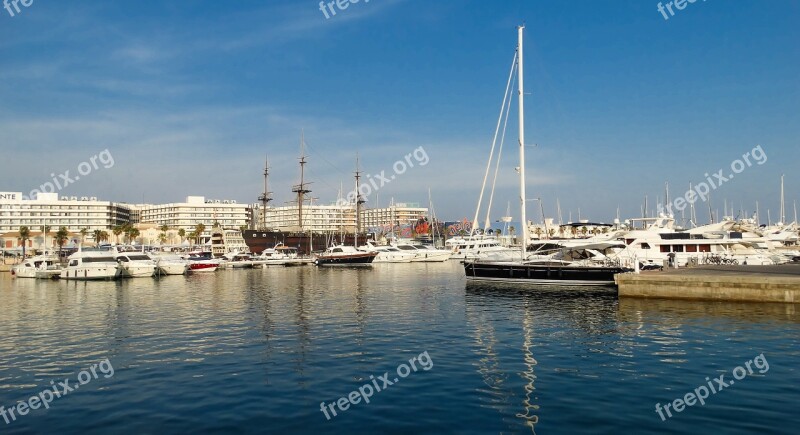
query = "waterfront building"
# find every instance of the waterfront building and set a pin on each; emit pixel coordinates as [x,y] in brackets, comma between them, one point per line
[341,218]
[314,218]
[198,210]
[226,241]
[398,214]
[74,213]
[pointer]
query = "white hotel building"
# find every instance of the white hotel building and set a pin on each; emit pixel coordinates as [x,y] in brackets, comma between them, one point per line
[74,213]
[400,213]
[338,218]
[198,210]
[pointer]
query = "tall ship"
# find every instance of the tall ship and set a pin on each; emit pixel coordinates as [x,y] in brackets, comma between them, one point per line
[301,236]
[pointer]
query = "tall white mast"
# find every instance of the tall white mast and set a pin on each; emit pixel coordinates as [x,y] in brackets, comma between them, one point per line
[520,81]
[783,209]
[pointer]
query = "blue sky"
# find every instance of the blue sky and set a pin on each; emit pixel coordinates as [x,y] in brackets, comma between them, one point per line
[190,96]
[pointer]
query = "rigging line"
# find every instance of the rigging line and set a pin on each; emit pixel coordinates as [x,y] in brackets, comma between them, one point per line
[321,156]
[499,154]
[494,142]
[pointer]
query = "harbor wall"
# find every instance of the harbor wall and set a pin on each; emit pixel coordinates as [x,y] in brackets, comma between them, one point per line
[741,288]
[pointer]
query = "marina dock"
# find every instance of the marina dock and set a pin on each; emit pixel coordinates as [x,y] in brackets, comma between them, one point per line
[717,283]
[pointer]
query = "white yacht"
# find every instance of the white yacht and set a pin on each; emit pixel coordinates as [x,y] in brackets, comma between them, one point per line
[389,254]
[657,242]
[424,254]
[91,265]
[341,255]
[135,264]
[40,266]
[237,260]
[170,264]
[480,247]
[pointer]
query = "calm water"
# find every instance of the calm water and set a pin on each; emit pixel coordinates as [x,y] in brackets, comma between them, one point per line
[258,351]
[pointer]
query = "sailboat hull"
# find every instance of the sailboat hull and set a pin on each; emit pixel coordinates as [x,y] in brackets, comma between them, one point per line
[541,274]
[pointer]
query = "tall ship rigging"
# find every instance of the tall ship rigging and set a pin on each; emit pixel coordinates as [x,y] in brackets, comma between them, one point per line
[302,237]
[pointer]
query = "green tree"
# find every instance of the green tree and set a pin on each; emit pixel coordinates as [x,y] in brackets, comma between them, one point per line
[97,234]
[192,238]
[117,231]
[84,232]
[198,230]
[133,233]
[24,235]
[61,238]
[162,238]
[181,234]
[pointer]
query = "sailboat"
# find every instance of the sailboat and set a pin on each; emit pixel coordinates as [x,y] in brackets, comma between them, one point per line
[539,271]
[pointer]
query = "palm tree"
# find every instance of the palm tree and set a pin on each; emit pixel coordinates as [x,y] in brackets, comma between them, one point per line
[84,232]
[538,232]
[133,233]
[552,232]
[24,235]
[162,238]
[198,230]
[512,230]
[61,238]
[164,229]
[192,238]
[117,231]
[181,234]
[584,230]
[103,236]
[97,234]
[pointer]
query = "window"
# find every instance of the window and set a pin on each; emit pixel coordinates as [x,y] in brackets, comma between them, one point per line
[691,248]
[645,246]
[664,248]
[677,248]
[705,248]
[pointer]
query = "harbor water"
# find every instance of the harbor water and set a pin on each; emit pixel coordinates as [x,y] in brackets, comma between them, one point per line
[263,350]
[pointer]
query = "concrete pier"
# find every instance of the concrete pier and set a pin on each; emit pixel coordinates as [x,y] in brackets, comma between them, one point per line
[718,283]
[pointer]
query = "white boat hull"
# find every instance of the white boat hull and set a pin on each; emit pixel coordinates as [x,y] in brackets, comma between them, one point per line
[90,274]
[138,271]
[432,257]
[172,269]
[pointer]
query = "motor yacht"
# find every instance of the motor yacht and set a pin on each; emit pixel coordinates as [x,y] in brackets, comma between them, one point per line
[41,266]
[170,264]
[389,254]
[135,264]
[424,253]
[341,255]
[91,265]
[202,262]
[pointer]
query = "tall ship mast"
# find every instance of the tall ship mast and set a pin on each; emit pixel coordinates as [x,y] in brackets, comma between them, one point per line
[297,236]
[265,197]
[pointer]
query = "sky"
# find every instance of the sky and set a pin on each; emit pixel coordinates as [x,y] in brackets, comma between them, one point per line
[189,97]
